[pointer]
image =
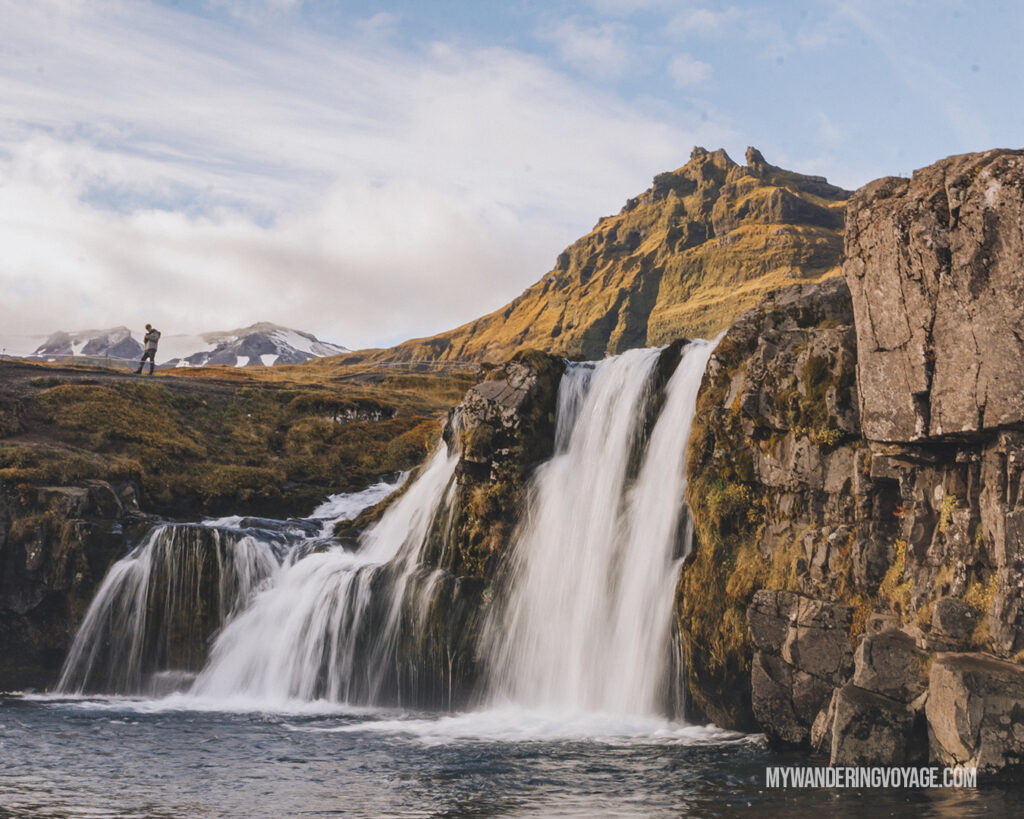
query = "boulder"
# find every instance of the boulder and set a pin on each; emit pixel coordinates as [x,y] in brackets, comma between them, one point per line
[871,729]
[804,652]
[890,664]
[975,712]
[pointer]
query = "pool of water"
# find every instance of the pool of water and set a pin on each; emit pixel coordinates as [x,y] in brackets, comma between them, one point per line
[182,757]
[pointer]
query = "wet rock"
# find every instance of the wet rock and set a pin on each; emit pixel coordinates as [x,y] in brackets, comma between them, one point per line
[975,712]
[821,730]
[803,653]
[771,686]
[56,544]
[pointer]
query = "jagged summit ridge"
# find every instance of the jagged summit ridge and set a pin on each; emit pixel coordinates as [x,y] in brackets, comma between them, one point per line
[684,258]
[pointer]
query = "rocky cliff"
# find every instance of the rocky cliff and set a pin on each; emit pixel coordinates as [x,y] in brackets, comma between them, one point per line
[856,488]
[56,544]
[684,258]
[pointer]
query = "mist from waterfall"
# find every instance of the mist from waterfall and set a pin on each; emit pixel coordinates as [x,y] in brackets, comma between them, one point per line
[584,620]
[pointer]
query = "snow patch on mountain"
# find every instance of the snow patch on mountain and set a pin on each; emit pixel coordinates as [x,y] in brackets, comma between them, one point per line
[262,344]
[112,343]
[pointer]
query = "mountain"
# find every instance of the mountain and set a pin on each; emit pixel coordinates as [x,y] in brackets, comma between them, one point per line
[685,258]
[263,344]
[114,343]
[260,344]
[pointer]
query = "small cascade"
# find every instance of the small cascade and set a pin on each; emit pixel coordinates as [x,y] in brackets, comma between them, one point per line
[148,628]
[332,625]
[584,620]
[158,606]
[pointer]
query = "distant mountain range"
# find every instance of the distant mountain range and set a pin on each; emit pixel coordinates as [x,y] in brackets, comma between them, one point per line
[261,344]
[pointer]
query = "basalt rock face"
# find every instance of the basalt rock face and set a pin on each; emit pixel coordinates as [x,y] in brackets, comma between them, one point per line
[892,501]
[774,457]
[505,427]
[56,544]
[934,266]
[683,259]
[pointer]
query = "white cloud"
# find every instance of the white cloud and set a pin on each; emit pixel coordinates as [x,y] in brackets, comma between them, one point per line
[829,131]
[162,168]
[704,20]
[601,50]
[685,70]
[254,10]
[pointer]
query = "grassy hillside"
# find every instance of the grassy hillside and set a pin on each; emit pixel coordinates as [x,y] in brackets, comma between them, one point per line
[208,440]
[684,258]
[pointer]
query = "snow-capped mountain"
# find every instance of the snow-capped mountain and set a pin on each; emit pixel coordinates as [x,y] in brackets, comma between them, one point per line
[263,344]
[115,342]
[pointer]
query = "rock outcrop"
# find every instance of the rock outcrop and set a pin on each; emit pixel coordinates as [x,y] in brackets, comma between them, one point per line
[56,543]
[505,426]
[976,712]
[934,266]
[773,461]
[892,501]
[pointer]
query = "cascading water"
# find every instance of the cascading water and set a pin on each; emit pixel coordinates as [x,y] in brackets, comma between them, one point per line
[157,606]
[147,628]
[329,628]
[584,622]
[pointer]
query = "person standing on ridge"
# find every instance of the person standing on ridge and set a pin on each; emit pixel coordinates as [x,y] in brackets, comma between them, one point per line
[150,341]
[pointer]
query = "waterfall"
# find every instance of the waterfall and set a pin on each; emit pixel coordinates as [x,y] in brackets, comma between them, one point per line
[157,607]
[330,627]
[585,618]
[148,627]
[581,621]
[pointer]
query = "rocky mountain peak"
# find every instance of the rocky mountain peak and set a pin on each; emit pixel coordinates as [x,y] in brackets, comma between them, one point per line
[683,258]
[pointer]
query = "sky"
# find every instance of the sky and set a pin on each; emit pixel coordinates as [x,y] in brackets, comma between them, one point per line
[377,171]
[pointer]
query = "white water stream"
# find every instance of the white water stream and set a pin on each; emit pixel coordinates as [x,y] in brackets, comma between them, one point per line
[586,619]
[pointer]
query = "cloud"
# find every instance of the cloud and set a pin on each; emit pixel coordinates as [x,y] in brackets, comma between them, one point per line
[255,10]
[685,70]
[704,20]
[600,49]
[160,167]
[829,131]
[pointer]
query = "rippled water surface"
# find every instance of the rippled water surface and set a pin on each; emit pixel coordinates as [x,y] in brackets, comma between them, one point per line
[122,758]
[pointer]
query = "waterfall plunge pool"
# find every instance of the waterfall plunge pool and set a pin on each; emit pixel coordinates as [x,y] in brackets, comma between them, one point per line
[183,757]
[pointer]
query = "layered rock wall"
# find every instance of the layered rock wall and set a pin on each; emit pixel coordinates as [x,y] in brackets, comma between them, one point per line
[862,539]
